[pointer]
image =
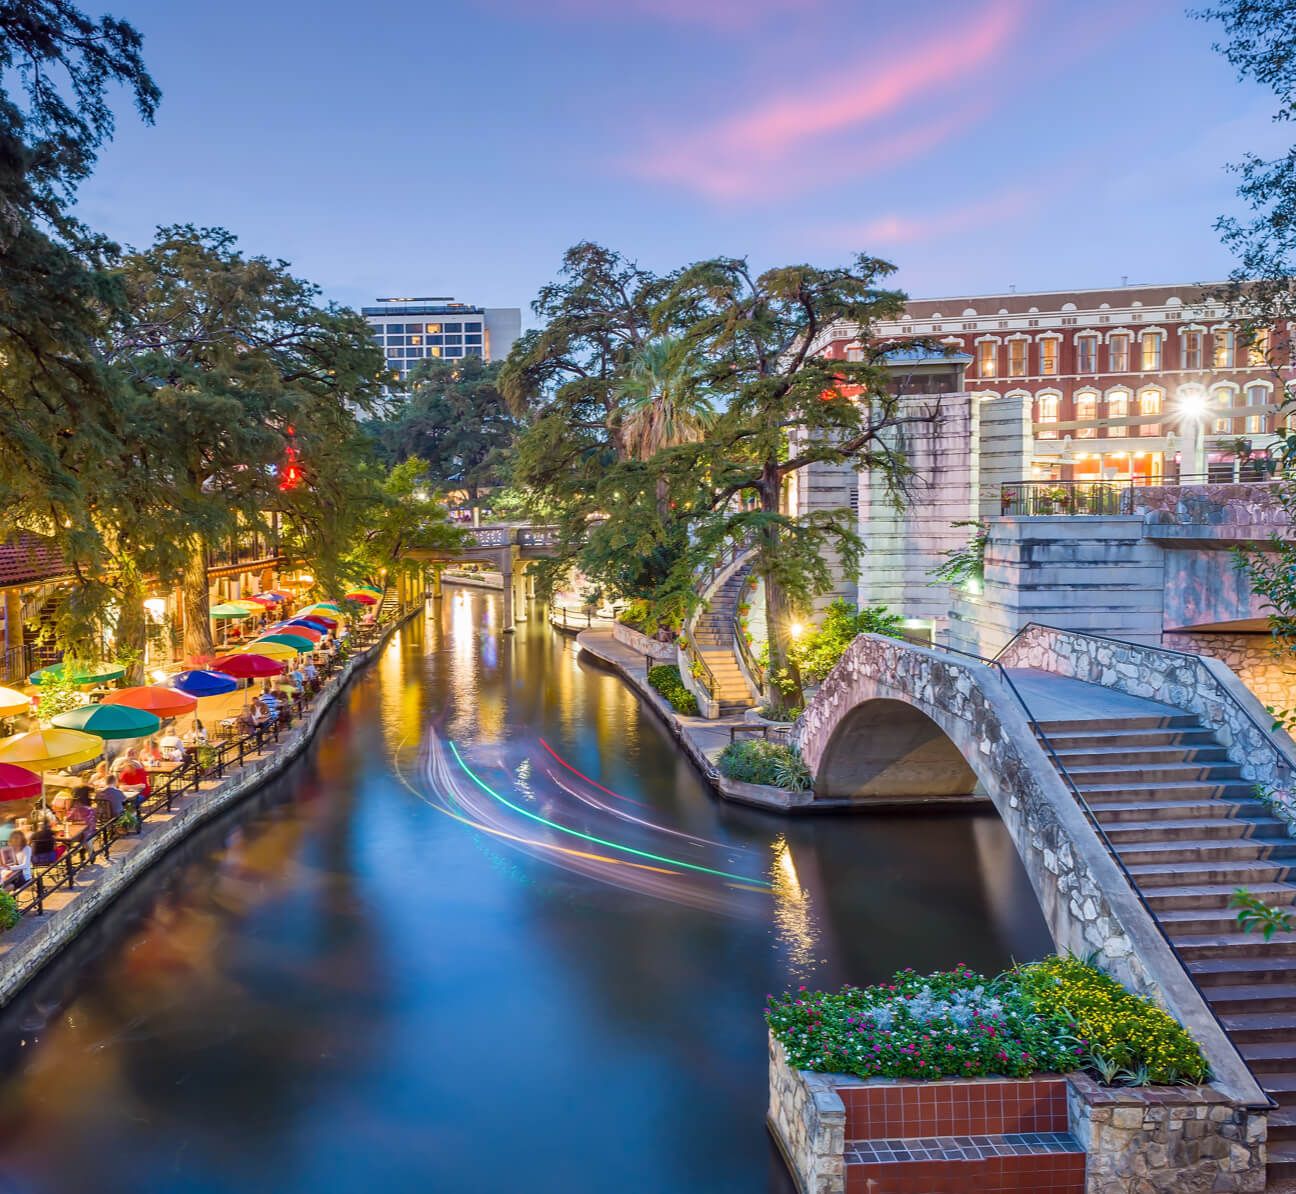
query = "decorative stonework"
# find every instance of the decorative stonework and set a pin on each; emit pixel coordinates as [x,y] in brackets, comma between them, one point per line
[1251,506]
[642,643]
[1250,656]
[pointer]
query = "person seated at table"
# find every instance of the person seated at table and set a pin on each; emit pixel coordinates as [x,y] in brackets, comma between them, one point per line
[43,846]
[297,677]
[311,672]
[243,723]
[152,753]
[171,746]
[100,775]
[132,773]
[197,735]
[82,816]
[21,871]
[113,799]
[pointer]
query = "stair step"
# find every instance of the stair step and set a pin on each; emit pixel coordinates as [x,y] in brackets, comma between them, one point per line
[1237,945]
[1230,972]
[1096,725]
[1194,736]
[1275,998]
[1260,1026]
[1164,773]
[1216,852]
[1214,811]
[1182,874]
[1219,828]
[1135,756]
[1189,922]
[1187,896]
[1122,793]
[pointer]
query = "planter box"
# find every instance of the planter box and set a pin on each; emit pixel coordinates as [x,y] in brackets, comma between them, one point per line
[1060,1133]
[643,644]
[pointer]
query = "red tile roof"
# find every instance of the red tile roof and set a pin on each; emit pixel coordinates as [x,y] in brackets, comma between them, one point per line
[29,559]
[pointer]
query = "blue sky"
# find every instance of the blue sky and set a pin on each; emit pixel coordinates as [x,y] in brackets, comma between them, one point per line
[395,148]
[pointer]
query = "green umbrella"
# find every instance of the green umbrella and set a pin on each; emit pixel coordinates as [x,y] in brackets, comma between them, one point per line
[229,611]
[109,721]
[77,673]
[298,642]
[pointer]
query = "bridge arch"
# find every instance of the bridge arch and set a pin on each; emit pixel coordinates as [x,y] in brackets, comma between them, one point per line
[889,749]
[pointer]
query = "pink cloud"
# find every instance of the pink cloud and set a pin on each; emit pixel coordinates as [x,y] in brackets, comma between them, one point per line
[899,228]
[749,154]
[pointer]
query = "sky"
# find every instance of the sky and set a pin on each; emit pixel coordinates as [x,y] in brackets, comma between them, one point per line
[458,147]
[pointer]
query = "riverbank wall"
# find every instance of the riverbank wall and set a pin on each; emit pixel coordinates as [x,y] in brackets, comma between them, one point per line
[36,941]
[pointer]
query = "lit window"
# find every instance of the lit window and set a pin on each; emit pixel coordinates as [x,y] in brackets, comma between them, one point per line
[1258,347]
[1118,353]
[434,351]
[1192,350]
[1224,341]
[1048,413]
[1150,404]
[1016,358]
[1223,398]
[416,339]
[1255,424]
[1151,351]
[1086,410]
[1049,356]
[987,358]
[1257,395]
[1087,354]
[1118,408]
[433,328]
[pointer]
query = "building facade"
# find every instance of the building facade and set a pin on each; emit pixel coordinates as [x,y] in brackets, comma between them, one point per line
[1117,385]
[413,329]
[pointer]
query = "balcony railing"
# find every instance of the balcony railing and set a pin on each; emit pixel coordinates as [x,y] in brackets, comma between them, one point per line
[1034,498]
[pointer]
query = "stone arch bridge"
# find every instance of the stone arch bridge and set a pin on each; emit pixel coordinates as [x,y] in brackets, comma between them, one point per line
[897,723]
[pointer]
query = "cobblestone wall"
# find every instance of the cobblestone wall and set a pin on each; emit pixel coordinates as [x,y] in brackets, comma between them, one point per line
[1252,506]
[1251,656]
[808,1120]
[1166,1140]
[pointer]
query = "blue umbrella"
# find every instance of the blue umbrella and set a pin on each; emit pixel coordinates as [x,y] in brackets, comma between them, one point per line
[199,683]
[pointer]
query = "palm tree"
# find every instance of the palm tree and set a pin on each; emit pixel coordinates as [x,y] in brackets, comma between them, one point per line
[660,404]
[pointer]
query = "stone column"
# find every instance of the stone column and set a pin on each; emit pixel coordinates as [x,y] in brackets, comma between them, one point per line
[13,618]
[436,582]
[507,626]
[520,591]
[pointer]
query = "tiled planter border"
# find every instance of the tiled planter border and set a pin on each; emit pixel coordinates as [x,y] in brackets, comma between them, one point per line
[1150,1140]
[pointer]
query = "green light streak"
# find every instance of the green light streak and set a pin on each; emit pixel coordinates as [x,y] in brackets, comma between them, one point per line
[706,870]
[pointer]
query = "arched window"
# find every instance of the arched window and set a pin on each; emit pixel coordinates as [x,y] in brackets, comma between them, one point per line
[1225,342]
[1223,398]
[1118,352]
[1150,404]
[1048,347]
[987,358]
[1086,354]
[1086,410]
[1048,413]
[1192,348]
[1151,345]
[1118,407]
[1017,358]
[1258,393]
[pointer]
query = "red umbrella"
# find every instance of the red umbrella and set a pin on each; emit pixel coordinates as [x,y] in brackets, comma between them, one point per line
[363,598]
[298,629]
[248,665]
[153,698]
[17,783]
[263,599]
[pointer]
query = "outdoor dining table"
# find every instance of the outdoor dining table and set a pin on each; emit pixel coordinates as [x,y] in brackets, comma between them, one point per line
[162,766]
[56,779]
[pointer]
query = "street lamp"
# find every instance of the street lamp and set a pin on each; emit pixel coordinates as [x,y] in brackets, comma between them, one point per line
[1192,413]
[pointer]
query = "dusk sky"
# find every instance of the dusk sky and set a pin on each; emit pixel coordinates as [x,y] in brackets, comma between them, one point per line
[395,148]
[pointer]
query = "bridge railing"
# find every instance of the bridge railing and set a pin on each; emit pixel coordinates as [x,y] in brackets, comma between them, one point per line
[511,536]
[1087,809]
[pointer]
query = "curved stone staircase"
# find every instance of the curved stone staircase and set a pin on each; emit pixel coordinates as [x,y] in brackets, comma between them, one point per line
[713,636]
[1190,830]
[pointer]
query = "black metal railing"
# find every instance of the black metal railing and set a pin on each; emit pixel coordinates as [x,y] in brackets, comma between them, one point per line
[202,764]
[750,662]
[1035,498]
[1087,809]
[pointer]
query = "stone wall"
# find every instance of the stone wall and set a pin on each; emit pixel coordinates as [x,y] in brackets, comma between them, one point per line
[1229,511]
[808,1120]
[1250,656]
[1166,1140]
[642,643]
[1196,684]
[1087,902]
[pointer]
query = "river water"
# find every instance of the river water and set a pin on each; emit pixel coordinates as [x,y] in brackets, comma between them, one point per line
[491,934]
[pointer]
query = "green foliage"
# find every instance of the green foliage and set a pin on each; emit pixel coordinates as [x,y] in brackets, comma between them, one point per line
[9,913]
[58,695]
[1272,575]
[1254,913]
[819,650]
[782,713]
[966,563]
[757,761]
[666,680]
[1057,1015]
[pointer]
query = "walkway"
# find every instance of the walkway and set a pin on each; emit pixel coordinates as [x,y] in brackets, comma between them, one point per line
[1051,697]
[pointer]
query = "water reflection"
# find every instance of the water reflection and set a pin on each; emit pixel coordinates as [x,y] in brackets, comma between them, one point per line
[385,971]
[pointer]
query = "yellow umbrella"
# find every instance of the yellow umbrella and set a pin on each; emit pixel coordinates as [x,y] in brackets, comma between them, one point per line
[48,750]
[270,650]
[12,701]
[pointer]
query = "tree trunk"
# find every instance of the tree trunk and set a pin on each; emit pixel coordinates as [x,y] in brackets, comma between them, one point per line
[663,503]
[197,609]
[783,674]
[132,629]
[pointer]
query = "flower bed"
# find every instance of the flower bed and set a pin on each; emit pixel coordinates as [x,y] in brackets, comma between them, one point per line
[757,761]
[1052,1016]
[666,680]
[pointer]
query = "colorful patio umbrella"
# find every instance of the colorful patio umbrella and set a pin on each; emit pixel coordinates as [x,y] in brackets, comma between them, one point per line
[299,627]
[298,642]
[363,598]
[263,599]
[48,750]
[322,621]
[246,666]
[280,594]
[200,683]
[228,609]
[80,673]
[270,650]
[109,721]
[17,783]
[12,701]
[326,606]
[153,698]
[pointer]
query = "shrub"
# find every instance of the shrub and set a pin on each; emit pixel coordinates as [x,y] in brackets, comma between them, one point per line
[1052,1016]
[818,652]
[9,914]
[666,680]
[756,761]
[769,713]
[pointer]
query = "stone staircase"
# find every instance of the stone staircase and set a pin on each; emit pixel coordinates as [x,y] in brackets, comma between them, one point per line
[1191,831]
[713,637]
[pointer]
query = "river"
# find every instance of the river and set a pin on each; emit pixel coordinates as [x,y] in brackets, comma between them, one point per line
[491,934]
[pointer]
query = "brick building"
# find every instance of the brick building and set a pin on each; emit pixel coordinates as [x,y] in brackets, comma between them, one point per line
[1105,384]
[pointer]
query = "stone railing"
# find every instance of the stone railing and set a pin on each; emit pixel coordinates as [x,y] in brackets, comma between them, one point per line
[1197,684]
[1088,903]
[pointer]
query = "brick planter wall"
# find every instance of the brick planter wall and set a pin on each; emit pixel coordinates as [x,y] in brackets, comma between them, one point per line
[1057,1133]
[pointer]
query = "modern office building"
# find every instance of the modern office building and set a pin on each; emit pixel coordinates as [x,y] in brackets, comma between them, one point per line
[414,328]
